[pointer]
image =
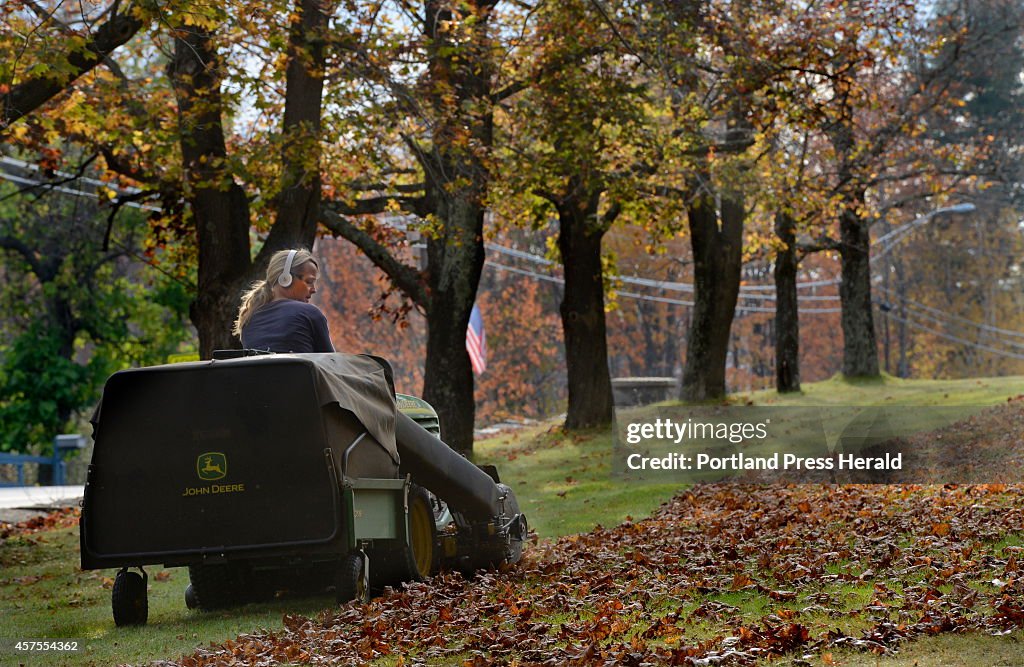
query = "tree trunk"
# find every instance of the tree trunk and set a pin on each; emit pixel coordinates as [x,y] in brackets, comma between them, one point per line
[454,95]
[456,261]
[718,255]
[582,310]
[66,326]
[218,204]
[457,177]
[298,201]
[887,308]
[787,318]
[860,349]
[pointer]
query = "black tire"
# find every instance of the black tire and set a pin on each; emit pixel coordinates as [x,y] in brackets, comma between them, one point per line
[351,582]
[423,558]
[502,549]
[514,549]
[191,601]
[217,586]
[128,599]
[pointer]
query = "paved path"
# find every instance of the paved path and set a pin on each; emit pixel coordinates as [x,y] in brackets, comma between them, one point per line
[21,503]
[39,497]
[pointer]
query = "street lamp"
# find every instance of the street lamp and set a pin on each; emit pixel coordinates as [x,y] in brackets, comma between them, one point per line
[887,242]
[895,236]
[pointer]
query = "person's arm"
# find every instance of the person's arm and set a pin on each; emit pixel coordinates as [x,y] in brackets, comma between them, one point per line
[321,333]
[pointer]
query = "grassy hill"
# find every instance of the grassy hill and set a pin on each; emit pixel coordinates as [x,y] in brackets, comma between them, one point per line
[564,482]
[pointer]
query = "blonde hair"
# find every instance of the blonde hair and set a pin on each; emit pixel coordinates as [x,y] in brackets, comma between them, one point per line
[262,291]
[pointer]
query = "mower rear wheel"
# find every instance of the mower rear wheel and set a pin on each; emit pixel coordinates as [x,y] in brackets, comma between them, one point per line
[128,599]
[351,580]
[422,534]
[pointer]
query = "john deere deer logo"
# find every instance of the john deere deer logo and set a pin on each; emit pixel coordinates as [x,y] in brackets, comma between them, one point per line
[212,466]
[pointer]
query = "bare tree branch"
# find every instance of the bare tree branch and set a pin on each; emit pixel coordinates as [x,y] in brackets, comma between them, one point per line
[383,187]
[373,205]
[20,247]
[551,68]
[405,277]
[119,203]
[823,242]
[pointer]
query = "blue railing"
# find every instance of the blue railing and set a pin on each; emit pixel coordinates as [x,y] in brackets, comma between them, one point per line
[61,445]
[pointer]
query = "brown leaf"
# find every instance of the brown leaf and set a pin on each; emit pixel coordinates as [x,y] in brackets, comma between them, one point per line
[739,581]
[782,595]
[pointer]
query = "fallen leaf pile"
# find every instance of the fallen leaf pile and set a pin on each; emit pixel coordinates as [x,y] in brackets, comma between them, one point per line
[62,518]
[721,575]
[984,447]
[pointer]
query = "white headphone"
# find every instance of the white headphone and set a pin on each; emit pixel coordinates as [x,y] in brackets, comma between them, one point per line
[285,279]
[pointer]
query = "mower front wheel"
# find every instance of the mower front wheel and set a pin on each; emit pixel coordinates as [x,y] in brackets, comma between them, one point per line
[352,580]
[128,599]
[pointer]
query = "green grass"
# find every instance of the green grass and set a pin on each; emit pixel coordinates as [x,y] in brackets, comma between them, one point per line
[948,650]
[43,595]
[816,421]
[564,485]
[888,390]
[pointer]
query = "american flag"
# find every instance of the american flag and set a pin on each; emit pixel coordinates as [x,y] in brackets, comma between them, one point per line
[476,341]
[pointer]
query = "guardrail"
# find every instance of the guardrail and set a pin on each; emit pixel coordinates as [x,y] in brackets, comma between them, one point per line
[62,444]
[630,391]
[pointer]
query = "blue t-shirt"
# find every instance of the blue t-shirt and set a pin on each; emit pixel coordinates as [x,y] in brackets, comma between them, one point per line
[286,325]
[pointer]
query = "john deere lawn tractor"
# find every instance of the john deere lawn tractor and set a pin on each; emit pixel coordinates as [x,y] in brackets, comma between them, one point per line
[290,471]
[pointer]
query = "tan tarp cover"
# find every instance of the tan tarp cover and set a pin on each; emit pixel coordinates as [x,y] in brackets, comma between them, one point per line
[357,383]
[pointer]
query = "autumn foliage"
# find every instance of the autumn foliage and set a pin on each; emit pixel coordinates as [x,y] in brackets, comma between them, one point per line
[523,376]
[873,113]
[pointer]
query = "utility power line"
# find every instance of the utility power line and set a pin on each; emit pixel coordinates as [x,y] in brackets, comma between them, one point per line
[746,291]
[955,339]
[77,193]
[524,272]
[21,164]
[886,243]
[890,240]
[936,316]
[941,313]
[670,286]
[945,319]
[645,297]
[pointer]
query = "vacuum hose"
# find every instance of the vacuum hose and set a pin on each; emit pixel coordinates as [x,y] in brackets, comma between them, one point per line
[448,475]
